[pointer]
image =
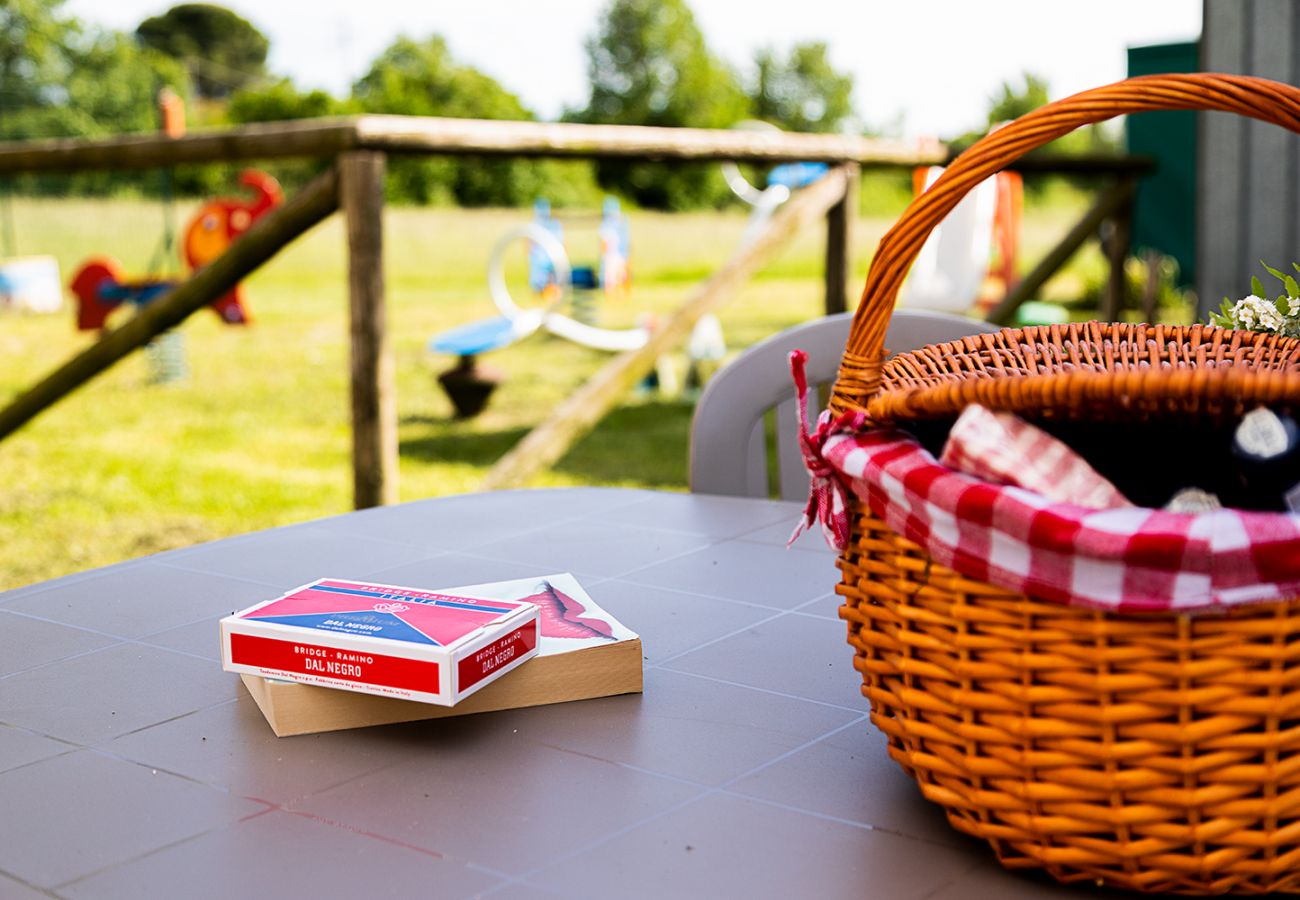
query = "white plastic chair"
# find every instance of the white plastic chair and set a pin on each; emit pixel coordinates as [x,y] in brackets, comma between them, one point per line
[728,453]
[954,260]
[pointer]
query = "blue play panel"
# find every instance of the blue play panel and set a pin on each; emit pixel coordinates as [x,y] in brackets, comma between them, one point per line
[797,175]
[476,337]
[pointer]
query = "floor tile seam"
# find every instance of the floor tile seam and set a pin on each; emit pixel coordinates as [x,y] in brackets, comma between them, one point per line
[782,757]
[631,767]
[960,877]
[820,617]
[175,718]
[72,882]
[340,825]
[32,590]
[725,637]
[393,841]
[728,536]
[801,810]
[659,560]
[117,641]
[518,881]
[840,820]
[754,542]
[546,526]
[102,750]
[612,835]
[72,748]
[763,690]
[695,594]
[290,805]
[63,659]
[443,550]
[232,577]
[117,638]
[34,888]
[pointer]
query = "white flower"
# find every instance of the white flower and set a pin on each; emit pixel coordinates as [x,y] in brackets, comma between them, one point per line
[1257,314]
[1293,306]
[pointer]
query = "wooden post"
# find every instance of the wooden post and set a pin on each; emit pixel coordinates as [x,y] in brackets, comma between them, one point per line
[1113,200]
[280,226]
[374,394]
[580,412]
[1116,248]
[839,243]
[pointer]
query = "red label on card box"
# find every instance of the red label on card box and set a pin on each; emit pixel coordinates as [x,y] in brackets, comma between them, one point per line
[501,652]
[330,662]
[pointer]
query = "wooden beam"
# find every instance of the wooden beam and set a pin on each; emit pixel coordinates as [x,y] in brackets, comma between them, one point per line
[420,134]
[1110,202]
[271,140]
[839,243]
[430,135]
[374,390]
[261,242]
[578,414]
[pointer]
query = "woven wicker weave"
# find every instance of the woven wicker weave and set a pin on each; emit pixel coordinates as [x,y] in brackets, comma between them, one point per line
[1150,753]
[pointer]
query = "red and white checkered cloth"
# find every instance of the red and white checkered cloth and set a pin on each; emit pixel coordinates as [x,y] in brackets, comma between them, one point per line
[1127,560]
[1005,449]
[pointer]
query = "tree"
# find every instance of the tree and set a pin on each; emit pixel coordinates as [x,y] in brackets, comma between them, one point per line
[1013,101]
[279,101]
[648,64]
[803,92]
[33,53]
[422,78]
[222,51]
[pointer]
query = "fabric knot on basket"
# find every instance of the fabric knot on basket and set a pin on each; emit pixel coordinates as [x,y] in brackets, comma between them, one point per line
[827,495]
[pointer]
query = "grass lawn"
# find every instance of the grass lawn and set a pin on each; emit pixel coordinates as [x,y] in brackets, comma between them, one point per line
[259,434]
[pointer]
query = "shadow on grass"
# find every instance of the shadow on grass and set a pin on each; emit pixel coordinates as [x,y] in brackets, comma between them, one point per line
[641,444]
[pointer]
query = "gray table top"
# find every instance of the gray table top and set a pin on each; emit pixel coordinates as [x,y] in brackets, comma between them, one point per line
[131,765]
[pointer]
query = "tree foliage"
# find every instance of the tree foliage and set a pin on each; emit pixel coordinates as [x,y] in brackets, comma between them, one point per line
[1014,100]
[421,78]
[223,51]
[58,79]
[801,92]
[648,64]
[33,53]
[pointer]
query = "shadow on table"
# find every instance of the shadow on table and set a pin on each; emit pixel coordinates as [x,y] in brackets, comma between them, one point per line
[644,445]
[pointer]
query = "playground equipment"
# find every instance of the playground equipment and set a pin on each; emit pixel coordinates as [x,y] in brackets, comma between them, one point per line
[30,284]
[101,286]
[957,258]
[219,223]
[558,286]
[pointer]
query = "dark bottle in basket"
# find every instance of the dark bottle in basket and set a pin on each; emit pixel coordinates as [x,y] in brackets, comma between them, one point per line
[1266,449]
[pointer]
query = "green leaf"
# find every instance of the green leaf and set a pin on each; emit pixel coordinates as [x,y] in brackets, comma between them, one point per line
[1292,289]
[1272,271]
[1256,286]
[1295,266]
[1283,305]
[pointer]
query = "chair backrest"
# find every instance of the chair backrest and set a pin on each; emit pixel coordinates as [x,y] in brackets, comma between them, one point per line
[728,441]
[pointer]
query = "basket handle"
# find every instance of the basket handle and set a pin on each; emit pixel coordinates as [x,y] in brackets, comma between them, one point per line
[860,369]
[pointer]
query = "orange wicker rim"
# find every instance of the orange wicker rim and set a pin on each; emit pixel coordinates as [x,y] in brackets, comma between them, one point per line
[860,370]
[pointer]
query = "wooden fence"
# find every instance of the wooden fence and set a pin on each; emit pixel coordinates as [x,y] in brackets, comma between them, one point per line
[354,184]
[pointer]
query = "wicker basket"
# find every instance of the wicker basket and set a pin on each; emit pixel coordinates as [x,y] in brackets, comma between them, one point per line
[1149,753]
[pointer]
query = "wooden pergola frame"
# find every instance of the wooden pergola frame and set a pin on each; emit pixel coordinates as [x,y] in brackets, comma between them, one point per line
[359,146]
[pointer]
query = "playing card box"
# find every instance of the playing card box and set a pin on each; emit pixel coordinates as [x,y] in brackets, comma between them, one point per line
[584,652]
[433,647]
